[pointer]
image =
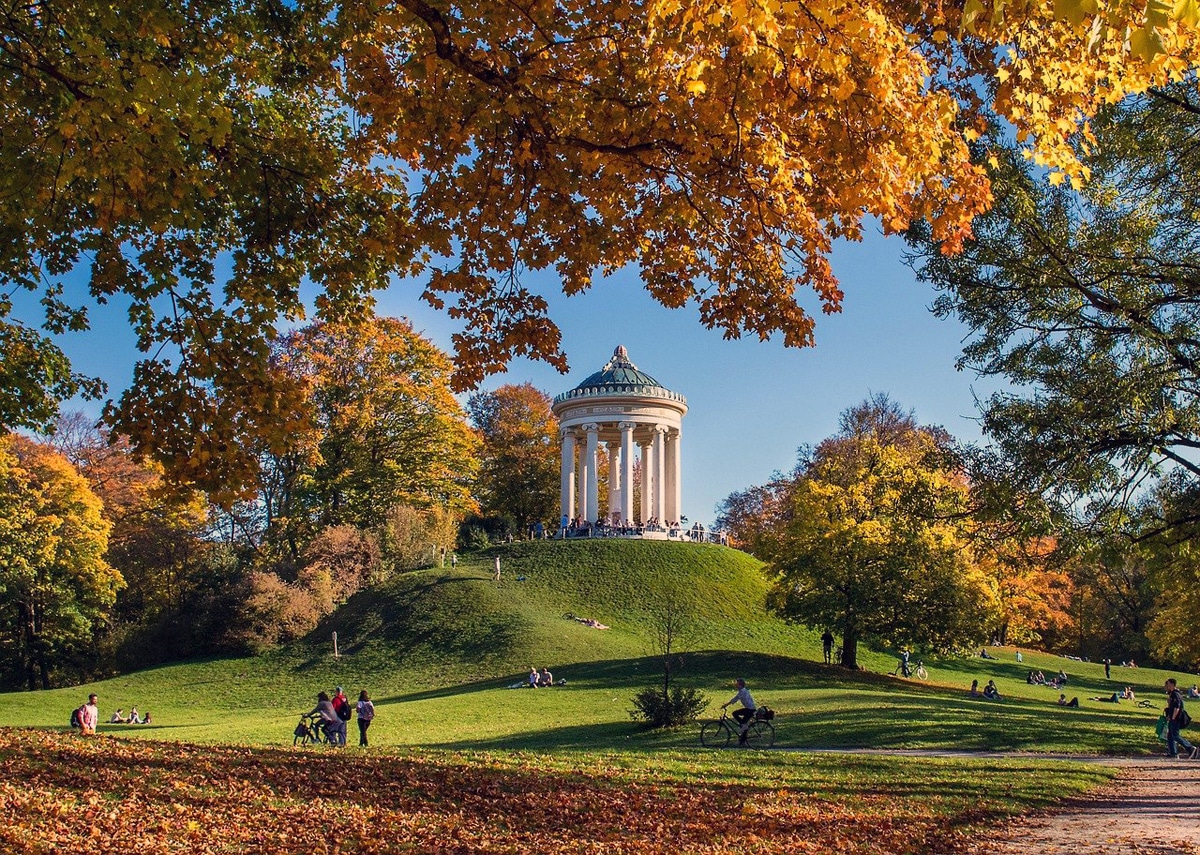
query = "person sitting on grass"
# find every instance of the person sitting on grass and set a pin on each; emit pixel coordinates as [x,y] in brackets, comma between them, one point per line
[118,717]
[974,691]
[533,677]
[134,718]
[545,678]
[146,718]
[991,692]
[1063,702]
[1127,694]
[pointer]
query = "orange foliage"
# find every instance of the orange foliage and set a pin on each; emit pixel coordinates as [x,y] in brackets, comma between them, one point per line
[1034,595]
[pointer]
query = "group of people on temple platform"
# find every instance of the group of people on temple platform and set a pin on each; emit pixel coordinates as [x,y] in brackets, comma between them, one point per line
[579,527]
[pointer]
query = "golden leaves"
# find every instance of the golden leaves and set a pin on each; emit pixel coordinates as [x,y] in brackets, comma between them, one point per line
[128,795]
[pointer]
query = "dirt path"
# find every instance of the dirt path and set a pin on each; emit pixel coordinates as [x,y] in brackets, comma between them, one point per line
[1151,809]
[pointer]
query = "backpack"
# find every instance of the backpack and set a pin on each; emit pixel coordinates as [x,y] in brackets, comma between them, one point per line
[77,717]
[764,713]
[1176,698]
[343,711]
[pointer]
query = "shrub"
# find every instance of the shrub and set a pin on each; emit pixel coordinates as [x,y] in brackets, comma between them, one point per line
[656,708]
[414,538]
[273,612]
[338,563]
[475,539]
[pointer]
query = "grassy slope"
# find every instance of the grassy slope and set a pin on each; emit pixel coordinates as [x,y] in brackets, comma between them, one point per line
[436,649]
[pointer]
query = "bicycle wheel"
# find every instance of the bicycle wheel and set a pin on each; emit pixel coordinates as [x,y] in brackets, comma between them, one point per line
[760,735]
[921,673]
[714,734]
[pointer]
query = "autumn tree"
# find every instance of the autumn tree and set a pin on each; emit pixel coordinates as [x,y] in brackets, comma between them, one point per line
[383,430]
[159,537]
[56,589]
[752,516]
[519,457]
[213,165]
[872,544]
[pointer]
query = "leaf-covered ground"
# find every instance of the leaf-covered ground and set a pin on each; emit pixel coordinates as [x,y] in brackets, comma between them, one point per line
[63,793]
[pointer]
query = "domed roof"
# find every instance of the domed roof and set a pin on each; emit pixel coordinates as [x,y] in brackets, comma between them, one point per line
[619,371]
[620,376]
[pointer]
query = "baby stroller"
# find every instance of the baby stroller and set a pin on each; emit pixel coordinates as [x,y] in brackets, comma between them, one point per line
[308,730]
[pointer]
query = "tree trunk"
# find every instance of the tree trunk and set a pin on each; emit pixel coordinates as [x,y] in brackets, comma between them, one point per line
[850,649]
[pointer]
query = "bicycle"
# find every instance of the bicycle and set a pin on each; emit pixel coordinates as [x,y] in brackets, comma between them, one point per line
[716,734]
[917,671]
[310,731]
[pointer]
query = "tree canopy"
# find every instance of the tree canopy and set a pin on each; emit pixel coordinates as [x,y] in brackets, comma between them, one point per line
[202,161]
[381,429]
[872,539]
[1086,301]
[55,585]
[519,465]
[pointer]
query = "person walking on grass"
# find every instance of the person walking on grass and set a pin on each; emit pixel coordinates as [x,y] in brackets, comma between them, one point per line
[746,714]
[366,715]
[827,646]
[333,727]
[1175,718]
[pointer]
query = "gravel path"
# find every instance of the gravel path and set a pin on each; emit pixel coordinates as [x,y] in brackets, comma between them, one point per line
[1152,808]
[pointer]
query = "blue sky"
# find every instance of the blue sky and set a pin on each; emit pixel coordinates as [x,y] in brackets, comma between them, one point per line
[751,403]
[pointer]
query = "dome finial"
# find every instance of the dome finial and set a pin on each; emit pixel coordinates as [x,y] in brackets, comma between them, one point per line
[621,352]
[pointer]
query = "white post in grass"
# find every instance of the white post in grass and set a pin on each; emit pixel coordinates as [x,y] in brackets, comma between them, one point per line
[335,650]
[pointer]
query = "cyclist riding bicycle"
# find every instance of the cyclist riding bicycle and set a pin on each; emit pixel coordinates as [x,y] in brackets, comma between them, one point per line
[746,714]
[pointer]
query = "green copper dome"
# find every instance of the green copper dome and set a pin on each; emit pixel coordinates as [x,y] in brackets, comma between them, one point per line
[619,371]
[620,376]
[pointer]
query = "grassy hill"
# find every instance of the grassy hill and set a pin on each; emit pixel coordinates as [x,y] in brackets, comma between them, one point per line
[437,650]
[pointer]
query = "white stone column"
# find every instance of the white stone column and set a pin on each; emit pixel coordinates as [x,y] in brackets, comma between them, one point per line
[591,501]
[626,471]
[646,509]
[659,470]
[568,475]
[614,480]
[674,484]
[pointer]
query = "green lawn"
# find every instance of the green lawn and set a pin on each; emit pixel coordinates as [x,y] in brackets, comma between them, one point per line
[437,650]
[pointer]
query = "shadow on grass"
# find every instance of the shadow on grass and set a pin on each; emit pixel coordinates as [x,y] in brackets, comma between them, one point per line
[700,669]
[846,710]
